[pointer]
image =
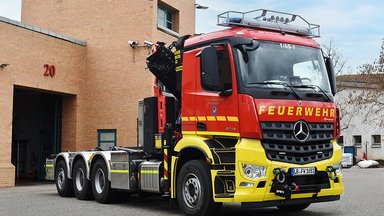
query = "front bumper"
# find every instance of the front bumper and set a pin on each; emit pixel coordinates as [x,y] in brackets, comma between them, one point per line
[289,202]
[262,191]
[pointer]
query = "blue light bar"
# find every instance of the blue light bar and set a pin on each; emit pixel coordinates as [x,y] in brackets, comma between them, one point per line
[271,20]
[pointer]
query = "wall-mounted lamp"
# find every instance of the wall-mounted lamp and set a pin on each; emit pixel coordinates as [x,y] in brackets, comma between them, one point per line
[148,44]
[3,65]
[198,6]
[133,44]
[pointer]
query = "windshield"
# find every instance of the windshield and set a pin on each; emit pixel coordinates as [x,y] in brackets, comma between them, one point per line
[287,63]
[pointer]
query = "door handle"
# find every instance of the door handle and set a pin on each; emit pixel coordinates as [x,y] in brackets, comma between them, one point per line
[201,126]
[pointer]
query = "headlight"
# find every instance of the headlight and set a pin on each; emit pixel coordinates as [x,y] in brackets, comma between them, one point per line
[253,171]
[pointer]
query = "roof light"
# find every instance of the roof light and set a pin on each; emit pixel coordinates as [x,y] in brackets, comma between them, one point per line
[279,21]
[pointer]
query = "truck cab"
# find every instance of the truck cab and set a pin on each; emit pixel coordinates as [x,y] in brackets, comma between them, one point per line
[257,101]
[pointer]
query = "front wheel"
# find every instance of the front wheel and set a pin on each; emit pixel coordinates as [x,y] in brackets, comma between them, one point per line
[101,186]
[194,190]
[293,208]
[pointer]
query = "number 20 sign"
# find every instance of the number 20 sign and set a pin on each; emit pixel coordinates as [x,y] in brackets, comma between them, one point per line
[50,70]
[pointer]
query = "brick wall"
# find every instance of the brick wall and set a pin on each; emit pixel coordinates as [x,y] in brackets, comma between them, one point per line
[101,82]
[116,75]
[27,51]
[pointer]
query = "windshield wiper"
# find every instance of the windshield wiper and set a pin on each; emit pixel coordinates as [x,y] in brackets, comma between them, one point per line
[312,86]
[280,83]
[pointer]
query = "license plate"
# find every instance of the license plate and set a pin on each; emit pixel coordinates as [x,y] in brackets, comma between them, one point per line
[303,171]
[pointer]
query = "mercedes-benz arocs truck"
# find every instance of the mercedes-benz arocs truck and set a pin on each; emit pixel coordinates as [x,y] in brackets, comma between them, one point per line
[245,114]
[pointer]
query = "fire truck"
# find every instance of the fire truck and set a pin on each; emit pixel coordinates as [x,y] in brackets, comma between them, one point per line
[245,114]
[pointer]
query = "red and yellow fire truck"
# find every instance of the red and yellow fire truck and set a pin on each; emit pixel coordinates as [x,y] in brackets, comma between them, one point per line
[245,114]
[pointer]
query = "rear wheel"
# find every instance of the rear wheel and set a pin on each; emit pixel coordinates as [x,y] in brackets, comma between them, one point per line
[194,191]
[293,208]
[101,186]
[81,185]
[63,183]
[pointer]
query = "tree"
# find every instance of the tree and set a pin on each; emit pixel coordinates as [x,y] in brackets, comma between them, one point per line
[370,98]
[331,51]
[339,62]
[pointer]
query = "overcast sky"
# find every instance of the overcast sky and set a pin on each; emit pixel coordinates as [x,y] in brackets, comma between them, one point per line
[355,26]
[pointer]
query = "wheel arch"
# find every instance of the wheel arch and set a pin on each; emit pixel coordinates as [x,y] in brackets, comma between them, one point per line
[190,148]
[188,154]
[84,159]
[63,157]
[104,156]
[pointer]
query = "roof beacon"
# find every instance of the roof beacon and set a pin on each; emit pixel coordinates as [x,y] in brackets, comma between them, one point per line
[268,19]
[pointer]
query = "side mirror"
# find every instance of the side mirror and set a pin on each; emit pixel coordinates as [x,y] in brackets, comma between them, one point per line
[331,74]
[209,69]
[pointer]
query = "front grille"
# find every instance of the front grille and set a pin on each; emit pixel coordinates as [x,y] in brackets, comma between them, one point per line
[284,131]
[281,145]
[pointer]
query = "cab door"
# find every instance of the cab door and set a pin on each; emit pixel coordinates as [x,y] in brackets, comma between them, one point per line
[216,92]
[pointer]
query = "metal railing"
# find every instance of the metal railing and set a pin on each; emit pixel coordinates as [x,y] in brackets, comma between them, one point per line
[271,20]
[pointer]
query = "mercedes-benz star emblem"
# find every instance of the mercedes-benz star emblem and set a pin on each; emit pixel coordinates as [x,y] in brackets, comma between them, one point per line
[301,131]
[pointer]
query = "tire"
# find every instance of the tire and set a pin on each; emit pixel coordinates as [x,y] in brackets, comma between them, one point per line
[101,186]
[81,185]
[293,208]
[63,183]
[194,190]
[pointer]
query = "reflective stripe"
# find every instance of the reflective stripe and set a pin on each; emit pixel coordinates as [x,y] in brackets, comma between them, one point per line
[49,165]
[211,118]
[166,164]
[201,118]
[221,118]
[120,171]
[149,172]
[211,133]
[91,157]
[179,68]
[232,118]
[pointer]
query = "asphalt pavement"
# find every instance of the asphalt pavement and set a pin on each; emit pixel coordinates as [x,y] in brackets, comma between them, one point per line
[364,195]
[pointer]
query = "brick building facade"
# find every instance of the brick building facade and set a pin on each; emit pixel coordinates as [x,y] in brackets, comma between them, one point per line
[98,77]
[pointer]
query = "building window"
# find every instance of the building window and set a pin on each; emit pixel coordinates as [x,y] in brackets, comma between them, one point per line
[165,18]
[168,19]
[106,138]
[357,141]
[376,141]
[340,141]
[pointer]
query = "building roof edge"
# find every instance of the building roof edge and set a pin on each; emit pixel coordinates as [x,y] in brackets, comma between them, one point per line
[42,31]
